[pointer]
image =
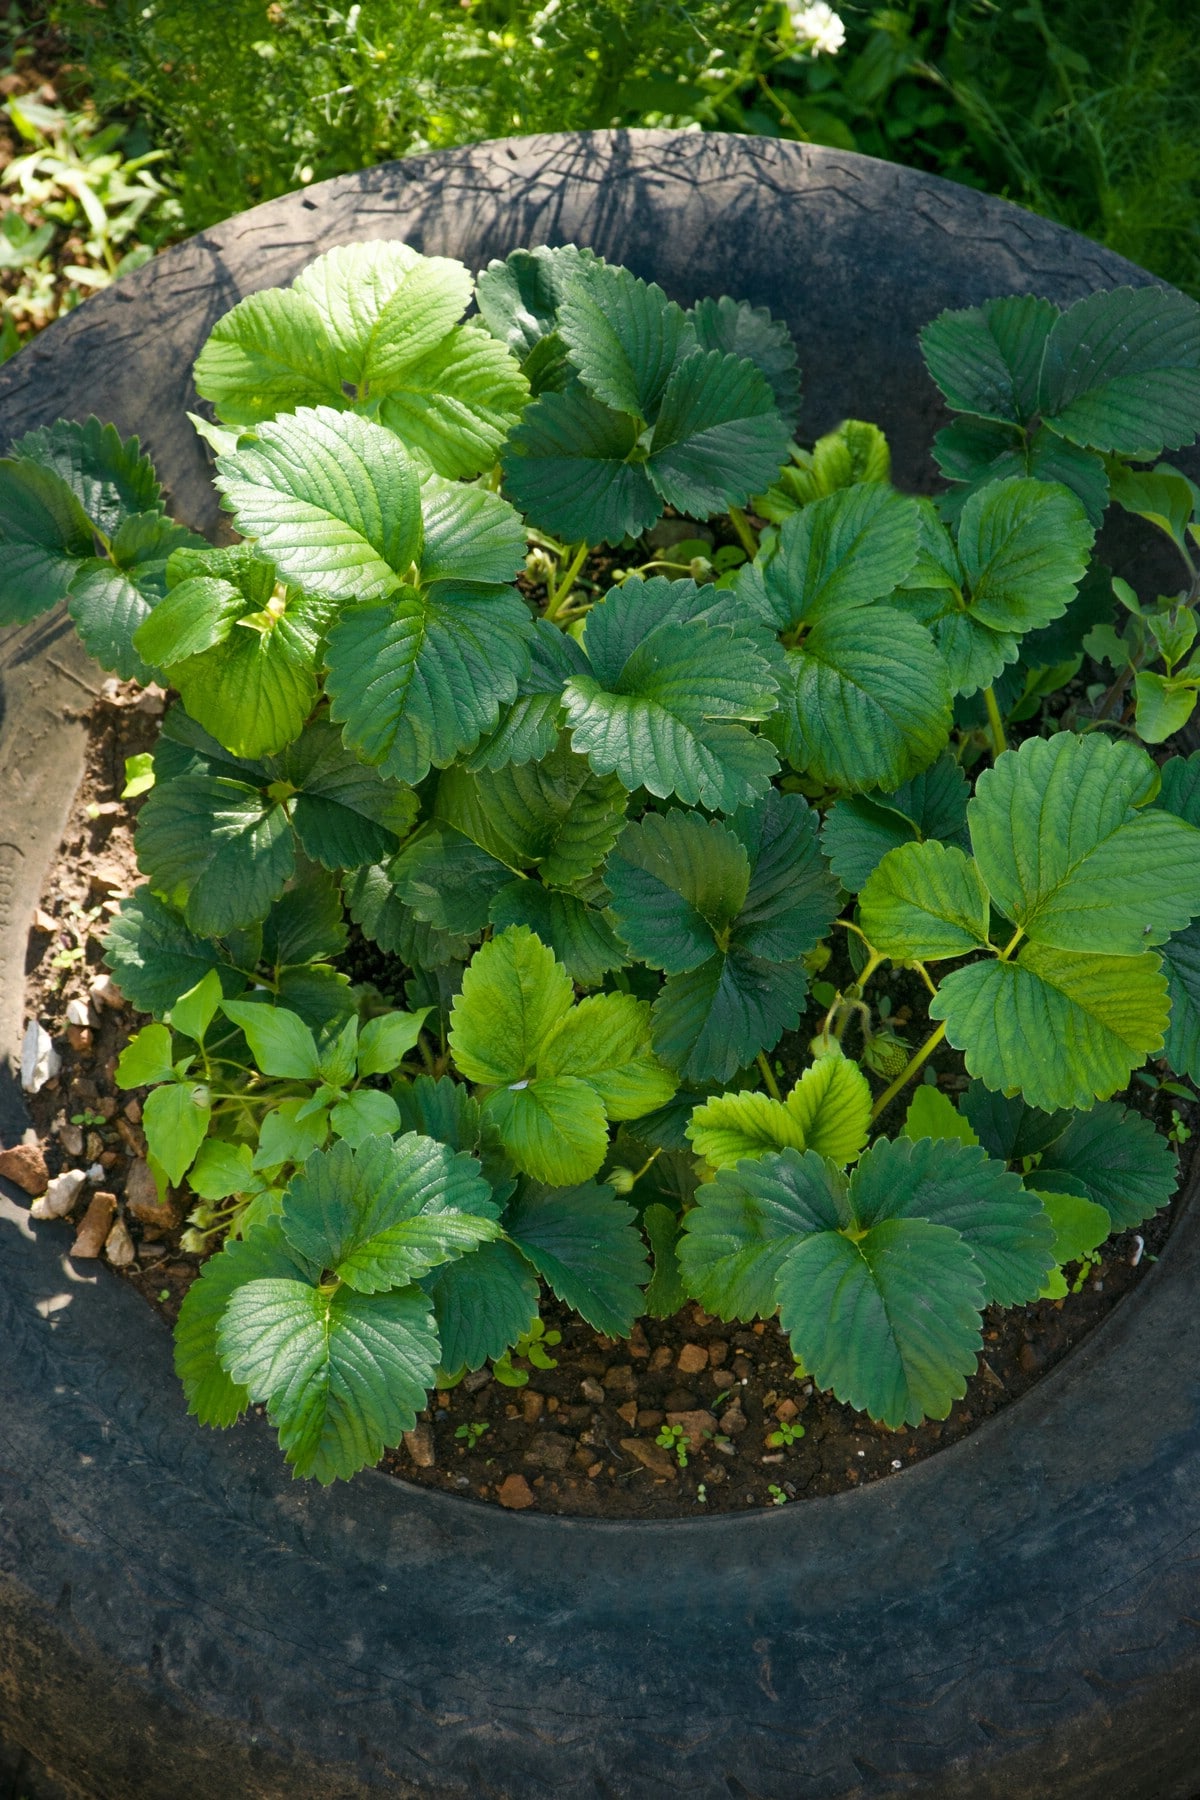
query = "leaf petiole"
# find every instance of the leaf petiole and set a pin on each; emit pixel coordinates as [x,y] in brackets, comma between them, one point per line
[911,1067]
[554,605]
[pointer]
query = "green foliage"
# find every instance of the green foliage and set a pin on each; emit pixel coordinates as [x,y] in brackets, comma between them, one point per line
[558,812]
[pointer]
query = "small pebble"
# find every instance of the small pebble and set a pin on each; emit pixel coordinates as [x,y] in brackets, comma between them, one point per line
[419,1444]
[25,1165]
[692,1358]
[60,1196]
[118,1245]
[514,1492]
[40,1061]
[94,1227]
[591,1390]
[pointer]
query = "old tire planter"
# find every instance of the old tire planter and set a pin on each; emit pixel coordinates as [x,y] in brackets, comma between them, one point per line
[1019,1616]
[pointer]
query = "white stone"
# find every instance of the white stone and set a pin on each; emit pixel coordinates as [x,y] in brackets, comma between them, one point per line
[60,1196]
[39,1059]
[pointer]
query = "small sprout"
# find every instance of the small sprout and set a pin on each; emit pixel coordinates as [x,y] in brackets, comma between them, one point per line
[164,1294]
[778,1497]
[139,775]
[674,1437]
[786,1433]
[701,1493]
[472,1432]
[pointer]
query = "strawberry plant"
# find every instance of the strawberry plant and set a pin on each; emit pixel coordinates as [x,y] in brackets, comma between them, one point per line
[634,815]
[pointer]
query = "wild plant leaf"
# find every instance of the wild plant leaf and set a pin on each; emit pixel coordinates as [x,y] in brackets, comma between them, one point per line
[579,935]
[622,334]
[146,1058]
[986,359]
[482,1304]
[726,911]
[528,727]
[364,1114]
[155,956]
[925,901]
[195,1010]
[671,713]
[212,1396]
[739,329]
[330,499]
[1062,1029]
[286,1137]
[847,550]
[567,467]
[1163,496]
[342,1374]
[1114,1157]
[859,831]
[384,1214]
[554,815]
[384,1041]
[584,1243]
[865,700]
[418,681]
[1079,1228]
[1066,855]
[280,1042]
[1121,371]
[932,1115]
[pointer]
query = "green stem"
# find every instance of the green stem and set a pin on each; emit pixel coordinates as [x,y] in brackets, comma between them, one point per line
[999,742]
[906,1074]
[554,604]
[745,531]
[768,1076]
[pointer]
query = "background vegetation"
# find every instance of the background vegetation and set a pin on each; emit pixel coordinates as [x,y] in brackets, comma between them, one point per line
[134,121]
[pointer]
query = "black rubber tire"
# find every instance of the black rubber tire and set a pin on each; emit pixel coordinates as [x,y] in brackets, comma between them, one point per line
[1019,1616]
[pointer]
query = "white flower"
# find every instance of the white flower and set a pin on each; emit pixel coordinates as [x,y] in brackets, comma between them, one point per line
[817,26]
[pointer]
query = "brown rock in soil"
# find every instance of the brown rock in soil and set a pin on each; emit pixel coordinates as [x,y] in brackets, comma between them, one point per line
[591,1390]
[628,1412]
[651,1456]
[548,1450]
[619,1379]
[142,1201]
[105,992]
[718,1350]
[662,1358]
[533,1405]
[89,1239]
[515,1493]
[649,1418]
[733,1420]
[118,1245]
[787,1409]
[25,1165]
[419,1444]
[695,1424]
[692,1358]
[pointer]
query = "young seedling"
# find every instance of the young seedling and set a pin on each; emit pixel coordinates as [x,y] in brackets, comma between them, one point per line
[674,1437]
[471,1433]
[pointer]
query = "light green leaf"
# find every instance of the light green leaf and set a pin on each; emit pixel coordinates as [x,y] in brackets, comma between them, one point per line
[342,1374]
[146,1057]
[1164,706]
[268,354]
[382,305]
[280,1042]
[1065,855]
[554,1127]
[1163,496]
[331,500]
[364,1114]
[195,1010]
[731,1126]
[384,1042]
[925,901]
[855,452]
[175,1119]
[1080,1226]
[605,1041]
[513,996]
[1064,1030]
[931,1115]
[584,1243]
[831,1102]
[222,1170]
[284,1137]
[1121,371]
[455,407]
[1024,547]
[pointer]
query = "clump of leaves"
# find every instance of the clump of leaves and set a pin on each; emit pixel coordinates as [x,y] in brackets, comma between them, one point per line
[622,837]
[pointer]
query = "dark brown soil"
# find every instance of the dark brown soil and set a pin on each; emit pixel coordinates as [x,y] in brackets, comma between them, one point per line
[580,1437]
